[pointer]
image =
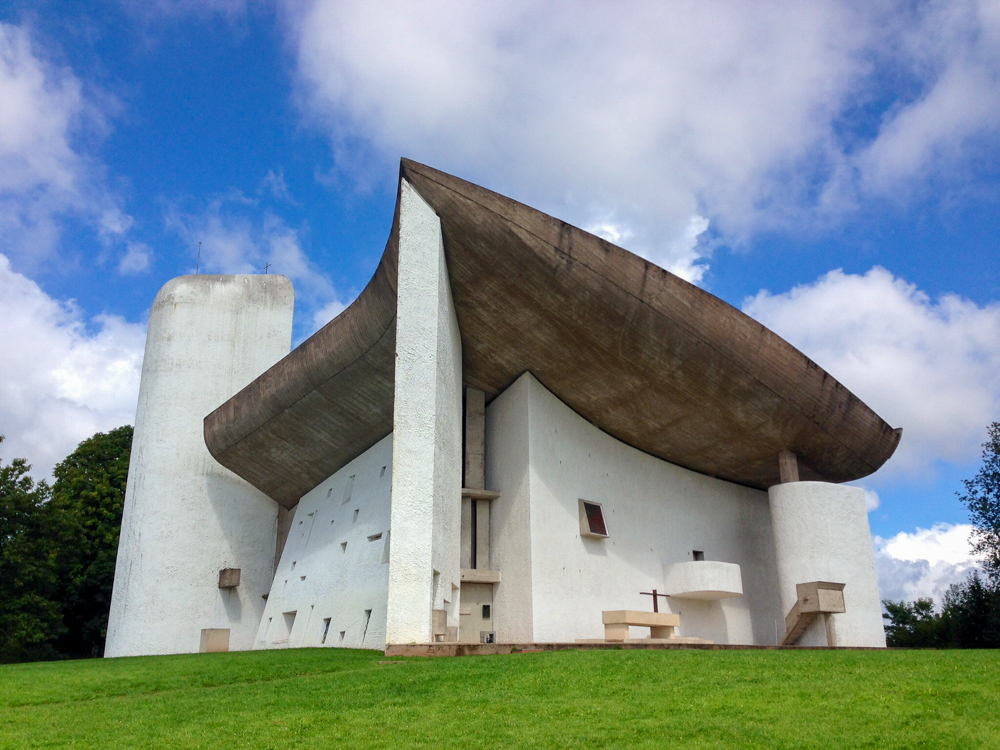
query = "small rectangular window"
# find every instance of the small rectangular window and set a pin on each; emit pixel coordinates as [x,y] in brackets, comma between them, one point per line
[348,490]
[592,520]
[382,473]
[343,546]
[697,554]
[486,611]
[356,511]
[374,537]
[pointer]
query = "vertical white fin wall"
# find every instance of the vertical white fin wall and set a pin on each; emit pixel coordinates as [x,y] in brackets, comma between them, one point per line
[508,472]
[335,562]
[424,566]
[186,517]
[821,533]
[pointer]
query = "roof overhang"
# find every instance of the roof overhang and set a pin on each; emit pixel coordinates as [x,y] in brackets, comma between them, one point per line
[645,356]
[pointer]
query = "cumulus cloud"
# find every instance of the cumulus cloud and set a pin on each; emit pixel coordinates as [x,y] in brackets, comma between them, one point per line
[923,563]
[62,378]
[136,259]
[45,174]
[752,116]
[929,366]
[237,236]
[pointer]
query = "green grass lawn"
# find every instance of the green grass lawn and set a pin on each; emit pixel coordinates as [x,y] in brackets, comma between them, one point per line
[338,698]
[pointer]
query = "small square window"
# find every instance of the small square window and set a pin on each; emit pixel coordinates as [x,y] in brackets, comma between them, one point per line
[592,520]
[698,555]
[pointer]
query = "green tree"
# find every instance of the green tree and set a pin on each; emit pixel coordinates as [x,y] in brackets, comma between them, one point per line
[982,498]
[30,530]
[911,624]
[90,487]
[970,616]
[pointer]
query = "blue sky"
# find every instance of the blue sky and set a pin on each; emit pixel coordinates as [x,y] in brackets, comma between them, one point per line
[832,169]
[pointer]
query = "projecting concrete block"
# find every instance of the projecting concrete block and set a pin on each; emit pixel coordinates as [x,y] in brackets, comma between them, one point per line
[704,579]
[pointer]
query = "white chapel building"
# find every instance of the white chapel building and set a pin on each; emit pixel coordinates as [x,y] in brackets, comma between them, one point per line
[516,427]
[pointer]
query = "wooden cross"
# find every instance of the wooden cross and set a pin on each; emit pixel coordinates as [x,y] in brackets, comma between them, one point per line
[266,266]
[655,596]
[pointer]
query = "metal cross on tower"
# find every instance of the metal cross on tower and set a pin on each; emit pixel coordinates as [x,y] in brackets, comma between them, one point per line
[655,596]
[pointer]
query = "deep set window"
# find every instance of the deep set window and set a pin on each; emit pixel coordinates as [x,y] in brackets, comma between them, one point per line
[592,522]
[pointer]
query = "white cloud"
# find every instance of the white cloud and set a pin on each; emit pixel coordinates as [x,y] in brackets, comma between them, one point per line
[656,113]
[136,259]
[923,563]
[44,176]
[238,237]
[929,366]
[59,381]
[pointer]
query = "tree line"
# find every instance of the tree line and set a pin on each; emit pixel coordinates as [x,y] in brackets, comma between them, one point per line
[970,612]
[58,545]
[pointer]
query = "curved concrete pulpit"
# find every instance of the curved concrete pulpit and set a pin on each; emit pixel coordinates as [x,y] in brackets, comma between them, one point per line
[703,579]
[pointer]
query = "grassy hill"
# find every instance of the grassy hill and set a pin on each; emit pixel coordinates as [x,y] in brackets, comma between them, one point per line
[337,698]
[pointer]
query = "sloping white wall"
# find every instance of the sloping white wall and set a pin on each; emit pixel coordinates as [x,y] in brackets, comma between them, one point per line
[821,533]
[318,577]
[656,513]
[424,571]
[185,516]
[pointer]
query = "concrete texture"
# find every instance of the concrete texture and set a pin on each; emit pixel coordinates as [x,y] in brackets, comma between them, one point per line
[706,580]
[821,533]
[424,569]
[648,358]
[319,578]
[543,457]
[186,517]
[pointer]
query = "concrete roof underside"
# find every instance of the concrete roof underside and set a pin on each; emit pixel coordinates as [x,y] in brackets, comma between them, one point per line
[645,356]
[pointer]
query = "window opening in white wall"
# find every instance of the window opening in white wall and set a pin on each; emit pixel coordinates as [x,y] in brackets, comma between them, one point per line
[326,629]
[329,492]
[385,549]
[342,634]
[374,537]
[364,632]
[356,511]
[382,473]
[267,630]
[697,554]
[592,520]
[348,490]
[288,622]
[486,611]
[293,564]
[343,546]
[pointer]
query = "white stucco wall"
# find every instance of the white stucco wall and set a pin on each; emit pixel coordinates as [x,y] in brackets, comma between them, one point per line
[656,514]
[185,516]
[319,578]
[821,533]
[424,569]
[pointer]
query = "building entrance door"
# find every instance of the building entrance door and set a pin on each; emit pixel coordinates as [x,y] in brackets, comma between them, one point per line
[475,623]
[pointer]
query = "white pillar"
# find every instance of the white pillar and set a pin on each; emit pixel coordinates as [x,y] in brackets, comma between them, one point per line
[424,572]
[186,517]
[821,533]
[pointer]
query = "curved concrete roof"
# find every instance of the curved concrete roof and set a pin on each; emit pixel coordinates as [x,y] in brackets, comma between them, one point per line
[645,356]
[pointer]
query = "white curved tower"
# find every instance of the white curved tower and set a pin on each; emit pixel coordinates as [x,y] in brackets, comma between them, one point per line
[186,517]
[821,533]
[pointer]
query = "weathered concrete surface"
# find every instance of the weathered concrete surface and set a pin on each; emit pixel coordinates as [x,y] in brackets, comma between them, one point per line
[424,564]
[821,533]
[647,357]
[185,516]
[335,564]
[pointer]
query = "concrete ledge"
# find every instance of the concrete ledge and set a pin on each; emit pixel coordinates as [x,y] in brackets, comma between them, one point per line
[704,579]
